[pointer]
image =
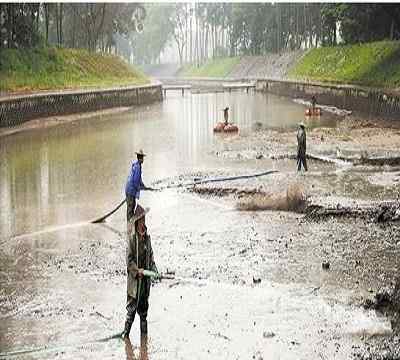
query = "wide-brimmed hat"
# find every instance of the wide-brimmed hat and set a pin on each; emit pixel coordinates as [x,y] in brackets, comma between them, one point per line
[140,152]
[140,212]
[301,124]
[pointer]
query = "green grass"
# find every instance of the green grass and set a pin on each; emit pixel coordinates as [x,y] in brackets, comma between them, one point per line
[219,67]
[51,68]
[374,64]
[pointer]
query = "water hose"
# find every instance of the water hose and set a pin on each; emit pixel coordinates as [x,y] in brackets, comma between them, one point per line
[196,182]
[9,354]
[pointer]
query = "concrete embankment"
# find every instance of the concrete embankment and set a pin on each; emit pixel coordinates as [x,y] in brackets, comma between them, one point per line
[368,89]
[361,100]
[15,110]
[364,101]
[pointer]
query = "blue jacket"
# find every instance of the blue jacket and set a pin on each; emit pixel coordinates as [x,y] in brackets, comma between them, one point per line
[134,182]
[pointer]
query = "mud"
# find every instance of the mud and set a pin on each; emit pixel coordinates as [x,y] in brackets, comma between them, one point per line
[293,200]
[248,284]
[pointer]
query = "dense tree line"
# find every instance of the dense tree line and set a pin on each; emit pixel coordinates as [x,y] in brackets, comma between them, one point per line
[93,26]
[199,30]
[205,30]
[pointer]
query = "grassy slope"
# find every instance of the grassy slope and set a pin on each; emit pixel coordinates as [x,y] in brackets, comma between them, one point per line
[50,68]
[219,67]
[374,64]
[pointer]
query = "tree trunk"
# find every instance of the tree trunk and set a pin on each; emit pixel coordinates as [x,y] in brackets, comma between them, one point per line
[10,27]
[191,40]
[74,26]
[46,19]
[61,22]
[197,37]
[392,30]
[206,43]
[57,23]
[186,33]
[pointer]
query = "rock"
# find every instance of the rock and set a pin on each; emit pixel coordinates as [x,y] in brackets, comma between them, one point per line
[326,265]
[256,280]
[268,334]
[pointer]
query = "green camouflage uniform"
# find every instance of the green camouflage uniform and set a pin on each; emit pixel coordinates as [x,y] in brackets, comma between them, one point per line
[139,255]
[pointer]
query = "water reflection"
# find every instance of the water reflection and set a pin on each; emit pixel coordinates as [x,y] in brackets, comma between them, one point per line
[69,173]
[143,350]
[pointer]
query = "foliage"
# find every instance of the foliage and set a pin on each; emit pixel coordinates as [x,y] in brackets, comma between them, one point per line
[372,64]
[51,68]
[148,45]
[77,25]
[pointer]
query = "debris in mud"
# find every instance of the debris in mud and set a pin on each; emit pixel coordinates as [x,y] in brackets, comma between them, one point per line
[222,336]
[373,161]
[268,334]
[293,200]
[379,212]
[386,299]
[362,160]
[314,157]
[224,191]
[326,265]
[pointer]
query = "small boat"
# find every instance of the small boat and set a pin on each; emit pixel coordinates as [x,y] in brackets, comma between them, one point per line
[315,112]
[221,127]
[231,128]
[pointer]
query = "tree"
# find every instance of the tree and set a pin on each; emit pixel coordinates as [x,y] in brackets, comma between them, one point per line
[178,20]
[158,29]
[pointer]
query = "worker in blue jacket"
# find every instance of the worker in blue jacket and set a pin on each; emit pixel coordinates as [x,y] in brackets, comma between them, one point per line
[134,184]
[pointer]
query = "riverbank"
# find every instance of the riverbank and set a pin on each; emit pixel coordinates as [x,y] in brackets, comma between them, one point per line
[370,64]
[271,66]
[28,71]
[15,110]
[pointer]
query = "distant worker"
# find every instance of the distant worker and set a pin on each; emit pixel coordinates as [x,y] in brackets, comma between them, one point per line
[139,257]
[301,147]
[134,184]
[313,102]
[226,115]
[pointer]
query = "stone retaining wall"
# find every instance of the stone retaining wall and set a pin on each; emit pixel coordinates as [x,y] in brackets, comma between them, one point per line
[15,110]
[361,100]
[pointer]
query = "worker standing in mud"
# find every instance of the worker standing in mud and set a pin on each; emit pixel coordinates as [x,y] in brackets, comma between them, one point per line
[313,102]
[134,184]
[301,147]
[226,115]
[139,257]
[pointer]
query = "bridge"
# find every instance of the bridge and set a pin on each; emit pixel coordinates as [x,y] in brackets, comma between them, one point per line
[176,87]
[238,86]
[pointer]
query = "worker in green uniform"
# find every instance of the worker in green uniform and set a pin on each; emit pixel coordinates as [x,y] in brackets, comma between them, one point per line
[139,257]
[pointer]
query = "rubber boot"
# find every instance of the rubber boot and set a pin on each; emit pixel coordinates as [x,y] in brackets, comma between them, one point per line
[127,329]
[143,327]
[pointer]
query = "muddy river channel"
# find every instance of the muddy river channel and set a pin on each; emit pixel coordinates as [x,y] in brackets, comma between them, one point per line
[249,283]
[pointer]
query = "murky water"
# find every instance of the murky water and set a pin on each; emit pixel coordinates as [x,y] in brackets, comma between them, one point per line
[66,288]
